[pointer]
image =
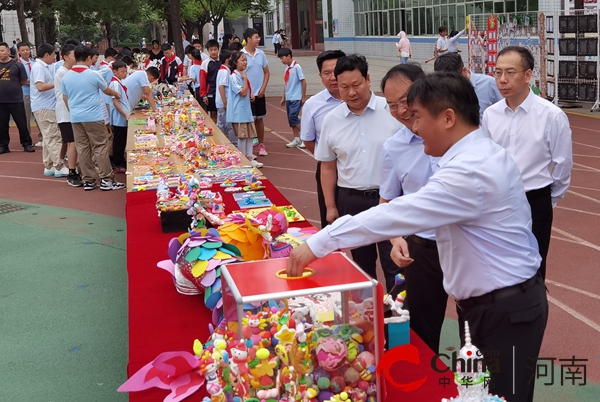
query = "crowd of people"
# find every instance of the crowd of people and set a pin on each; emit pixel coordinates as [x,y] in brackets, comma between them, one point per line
[461,171]
[448,178]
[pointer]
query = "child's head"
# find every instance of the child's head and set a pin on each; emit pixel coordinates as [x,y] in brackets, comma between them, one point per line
[67,53]
[225,57]
[188,50]
[120,69]
[453,33]
[443,30]
[146,53]
[128,61]
[24,50]
[236,39]
[109,54]
[95,56]
[155,44]
[238,61]
[252,38]
[235,47]
[153,74]
[167,50]
[196,55]
[285,55]
[197,43]
[212,46]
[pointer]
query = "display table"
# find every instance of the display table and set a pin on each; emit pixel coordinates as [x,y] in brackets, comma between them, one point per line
[162,320]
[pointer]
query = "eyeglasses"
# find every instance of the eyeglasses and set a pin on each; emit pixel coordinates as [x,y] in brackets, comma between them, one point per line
[401,103]
[509,74]
[327,75]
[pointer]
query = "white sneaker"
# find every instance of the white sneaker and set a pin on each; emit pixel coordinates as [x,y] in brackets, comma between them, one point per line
[39,144]
[64,172]
[295,143]
[257,164]
[50,172]
[302,146]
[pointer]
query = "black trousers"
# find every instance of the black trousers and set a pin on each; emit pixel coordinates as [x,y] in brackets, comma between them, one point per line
[509,333]
[119,145]
[366,257]
[321,197]
[17,111]
[426,298]
[540,201]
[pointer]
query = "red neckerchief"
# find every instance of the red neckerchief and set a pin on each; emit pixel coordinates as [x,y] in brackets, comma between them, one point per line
[79,69]
[223,67]
[286,76]
[28,63]
[121,84]
[197,62]
[249,87]
[146,63]
[104,63]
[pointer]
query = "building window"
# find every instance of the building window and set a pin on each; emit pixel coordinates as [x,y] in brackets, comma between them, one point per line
[387,17]
[269,24]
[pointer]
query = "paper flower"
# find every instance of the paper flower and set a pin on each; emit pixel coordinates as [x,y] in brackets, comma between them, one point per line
[194,261]
[177,371]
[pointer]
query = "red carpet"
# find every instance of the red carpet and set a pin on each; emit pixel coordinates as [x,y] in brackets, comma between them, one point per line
[161,320]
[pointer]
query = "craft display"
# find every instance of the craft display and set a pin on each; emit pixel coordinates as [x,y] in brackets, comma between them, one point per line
[275,352]
[472,385]
[254,199]
[290,212]
[145,139]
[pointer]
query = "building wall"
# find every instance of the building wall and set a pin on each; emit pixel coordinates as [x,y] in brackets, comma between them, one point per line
[369,27]
[10,27]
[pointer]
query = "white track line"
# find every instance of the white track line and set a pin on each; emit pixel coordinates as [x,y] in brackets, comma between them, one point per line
[586,145]
[579,210]
[297,189]
[583,292]
[285,153]
[32,163]
[586,129]
[591,169]
[587,156]
[285,139]
[293,170]
[563,239]
[583,196]
[578,239]
[574,313]
[585,188]
[35,178]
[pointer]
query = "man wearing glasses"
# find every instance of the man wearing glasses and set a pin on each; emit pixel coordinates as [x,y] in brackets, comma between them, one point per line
[349,147]
[536,133]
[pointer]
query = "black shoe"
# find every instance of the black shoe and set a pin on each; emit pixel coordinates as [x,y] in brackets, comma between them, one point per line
[74,180]
[28,148]
[4,150]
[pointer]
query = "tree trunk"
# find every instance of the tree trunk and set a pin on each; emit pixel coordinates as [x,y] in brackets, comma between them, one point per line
[49,25]
[37,22]
[1,29]
[109,35]
[176,27]
[21,19]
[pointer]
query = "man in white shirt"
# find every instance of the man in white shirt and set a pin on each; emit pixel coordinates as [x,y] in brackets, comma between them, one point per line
[537,134]
[485,86]
[441,46]
[43,104]
[24,58]
[350,144]
[314,111]
[482,224]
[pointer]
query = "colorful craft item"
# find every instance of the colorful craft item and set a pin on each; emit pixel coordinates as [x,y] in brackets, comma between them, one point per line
[233,189]
[228,183]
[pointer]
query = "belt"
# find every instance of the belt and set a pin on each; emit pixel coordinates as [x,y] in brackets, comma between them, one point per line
[372,193]
[496,294]
[422,241]
[540,192]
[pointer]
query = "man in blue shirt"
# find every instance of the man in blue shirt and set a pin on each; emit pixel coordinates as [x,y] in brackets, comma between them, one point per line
[485,86]
[314,111]
[482,224]
[405,168]
[43,105]
[81,92]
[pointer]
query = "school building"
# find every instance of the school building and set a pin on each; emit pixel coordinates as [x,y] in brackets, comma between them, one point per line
[369,27]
